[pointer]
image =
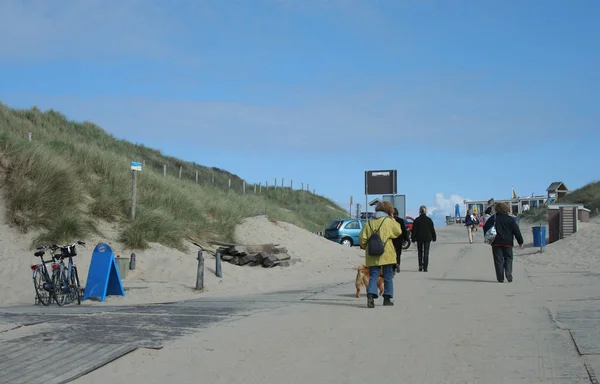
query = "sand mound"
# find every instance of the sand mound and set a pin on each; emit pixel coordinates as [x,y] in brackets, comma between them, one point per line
[164,274]
[578,251]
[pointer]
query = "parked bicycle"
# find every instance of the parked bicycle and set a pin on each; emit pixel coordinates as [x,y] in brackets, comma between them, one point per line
[42,279]
[66,280]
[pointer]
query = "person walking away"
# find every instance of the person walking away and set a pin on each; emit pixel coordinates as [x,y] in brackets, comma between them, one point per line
[423,233]
[387,228]
[398,241]
[470,224]
[502,247]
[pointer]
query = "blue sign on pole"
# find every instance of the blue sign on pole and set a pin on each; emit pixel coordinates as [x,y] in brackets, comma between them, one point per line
[103,276]
[136,166]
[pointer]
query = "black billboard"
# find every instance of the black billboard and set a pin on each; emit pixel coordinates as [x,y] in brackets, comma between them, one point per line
[381,182]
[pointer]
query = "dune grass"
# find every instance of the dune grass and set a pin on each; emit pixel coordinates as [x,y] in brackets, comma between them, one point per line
[72,176]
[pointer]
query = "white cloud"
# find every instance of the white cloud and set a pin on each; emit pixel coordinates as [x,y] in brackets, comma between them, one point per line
[442,206]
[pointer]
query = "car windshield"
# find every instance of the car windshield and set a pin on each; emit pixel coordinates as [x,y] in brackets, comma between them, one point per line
[333,224]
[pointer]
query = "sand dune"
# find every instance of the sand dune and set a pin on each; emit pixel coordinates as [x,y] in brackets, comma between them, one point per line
[164,274]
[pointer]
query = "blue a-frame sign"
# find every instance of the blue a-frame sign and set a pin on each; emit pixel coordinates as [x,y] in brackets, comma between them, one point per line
[103,276]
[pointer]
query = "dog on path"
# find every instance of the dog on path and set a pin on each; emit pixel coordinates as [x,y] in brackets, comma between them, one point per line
[362,278]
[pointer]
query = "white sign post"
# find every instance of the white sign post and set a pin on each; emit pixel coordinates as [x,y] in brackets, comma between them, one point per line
[135,167]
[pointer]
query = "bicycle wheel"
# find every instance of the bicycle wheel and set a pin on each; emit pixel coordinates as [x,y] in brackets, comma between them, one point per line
[75,285]
[42,291]
[61,290]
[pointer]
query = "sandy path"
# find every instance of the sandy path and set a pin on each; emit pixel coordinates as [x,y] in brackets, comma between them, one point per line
[454,324]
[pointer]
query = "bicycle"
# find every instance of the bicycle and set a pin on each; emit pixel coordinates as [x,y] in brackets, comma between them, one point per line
[45,290]
[66,279]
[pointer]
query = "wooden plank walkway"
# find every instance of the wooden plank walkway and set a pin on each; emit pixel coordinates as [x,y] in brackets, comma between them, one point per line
[54,363]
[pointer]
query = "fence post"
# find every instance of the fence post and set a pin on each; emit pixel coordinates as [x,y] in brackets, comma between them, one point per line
[255,189]
[180,169]
[29,136]
[196,176]
[218,271]
[307,187]
[244,187]
[302,189]
[314,193]
[229,183]
[200,271]
[164,170]
[291,184]
[275,183]
[259,188]
[213,179]
[282,182]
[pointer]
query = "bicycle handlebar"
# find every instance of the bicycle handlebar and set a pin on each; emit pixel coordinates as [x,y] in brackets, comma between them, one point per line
[55,247]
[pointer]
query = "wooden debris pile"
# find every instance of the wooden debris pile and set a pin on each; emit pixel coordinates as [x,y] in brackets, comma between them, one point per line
[267,255]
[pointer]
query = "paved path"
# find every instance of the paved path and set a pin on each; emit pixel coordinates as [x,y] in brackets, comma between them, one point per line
[453,324]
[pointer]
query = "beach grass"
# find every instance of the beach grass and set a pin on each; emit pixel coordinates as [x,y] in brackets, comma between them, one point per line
[73,175]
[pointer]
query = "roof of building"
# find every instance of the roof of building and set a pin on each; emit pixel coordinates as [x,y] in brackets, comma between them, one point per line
[556,186]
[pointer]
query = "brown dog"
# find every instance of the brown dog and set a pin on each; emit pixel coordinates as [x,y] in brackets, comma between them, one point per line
[362,278]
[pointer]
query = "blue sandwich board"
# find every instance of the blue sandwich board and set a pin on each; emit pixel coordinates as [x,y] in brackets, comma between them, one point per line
[103,276]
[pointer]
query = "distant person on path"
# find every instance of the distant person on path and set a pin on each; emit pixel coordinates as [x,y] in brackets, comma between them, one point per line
[470,224]
[398,241]
[388,229]
[423,233]
[502,246]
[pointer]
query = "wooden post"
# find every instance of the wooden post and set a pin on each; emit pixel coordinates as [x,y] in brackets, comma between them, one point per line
[307,187]
[267,185]
[164,170]
[229,182]
[314,193]
[213,179]
[200,272]
[180,169]
[255,189]
[144,163]
[218,264]
[291,184]
[196,176]
[275,183]
[282,182]
[259,188]
[302,189]
[29,136]
[244,187]
[133,193]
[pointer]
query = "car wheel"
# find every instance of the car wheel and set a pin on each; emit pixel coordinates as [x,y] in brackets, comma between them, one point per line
[346,242]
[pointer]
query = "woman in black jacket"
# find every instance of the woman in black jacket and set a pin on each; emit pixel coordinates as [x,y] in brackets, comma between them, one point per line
[398,241]
[423,232]
[502,246]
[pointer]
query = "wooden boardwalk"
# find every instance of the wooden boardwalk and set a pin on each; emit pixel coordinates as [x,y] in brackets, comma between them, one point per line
[53,345]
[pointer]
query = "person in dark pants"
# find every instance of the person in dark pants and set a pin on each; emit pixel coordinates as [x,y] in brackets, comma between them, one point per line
[423,233]
[400,239]
[502,246]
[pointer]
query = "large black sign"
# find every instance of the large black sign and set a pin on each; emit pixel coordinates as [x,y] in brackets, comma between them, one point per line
[381,182]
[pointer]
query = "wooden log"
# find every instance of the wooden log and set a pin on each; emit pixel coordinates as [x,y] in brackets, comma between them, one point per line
[270,261]
[247,259]
[283,256]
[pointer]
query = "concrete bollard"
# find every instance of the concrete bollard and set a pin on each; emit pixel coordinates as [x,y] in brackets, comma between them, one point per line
[218,271]
[200,273]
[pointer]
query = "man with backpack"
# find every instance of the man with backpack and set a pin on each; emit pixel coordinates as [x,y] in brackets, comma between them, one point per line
[380,254]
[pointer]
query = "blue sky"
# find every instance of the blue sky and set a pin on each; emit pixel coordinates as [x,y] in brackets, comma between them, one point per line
[464,98]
